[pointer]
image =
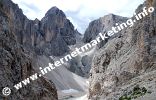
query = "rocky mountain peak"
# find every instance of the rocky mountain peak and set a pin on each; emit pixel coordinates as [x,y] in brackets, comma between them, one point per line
[108,17]
[102,24]
[36,20]
[55,11]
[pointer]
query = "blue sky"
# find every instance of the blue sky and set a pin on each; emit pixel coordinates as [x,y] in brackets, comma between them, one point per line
[80,12]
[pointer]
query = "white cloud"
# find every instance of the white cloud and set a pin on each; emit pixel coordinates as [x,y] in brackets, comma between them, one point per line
[80,12]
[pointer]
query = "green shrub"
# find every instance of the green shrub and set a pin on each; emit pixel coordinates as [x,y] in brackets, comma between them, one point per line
[135,93]
[144,90]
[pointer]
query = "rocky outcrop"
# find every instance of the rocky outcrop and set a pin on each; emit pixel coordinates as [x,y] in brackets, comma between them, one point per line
[15,60]
[125,61]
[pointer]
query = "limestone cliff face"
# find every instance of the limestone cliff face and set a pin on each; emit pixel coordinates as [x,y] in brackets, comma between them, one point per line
[102,24]
[125,61]
[15,61]
[54,32]
[58,32]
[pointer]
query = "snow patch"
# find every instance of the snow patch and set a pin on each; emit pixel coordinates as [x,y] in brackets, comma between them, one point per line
[80,98]
[70,91]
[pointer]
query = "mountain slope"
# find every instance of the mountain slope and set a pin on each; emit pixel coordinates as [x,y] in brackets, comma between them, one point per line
[123,58]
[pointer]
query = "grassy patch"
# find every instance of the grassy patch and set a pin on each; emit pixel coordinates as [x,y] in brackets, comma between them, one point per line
[135,93]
